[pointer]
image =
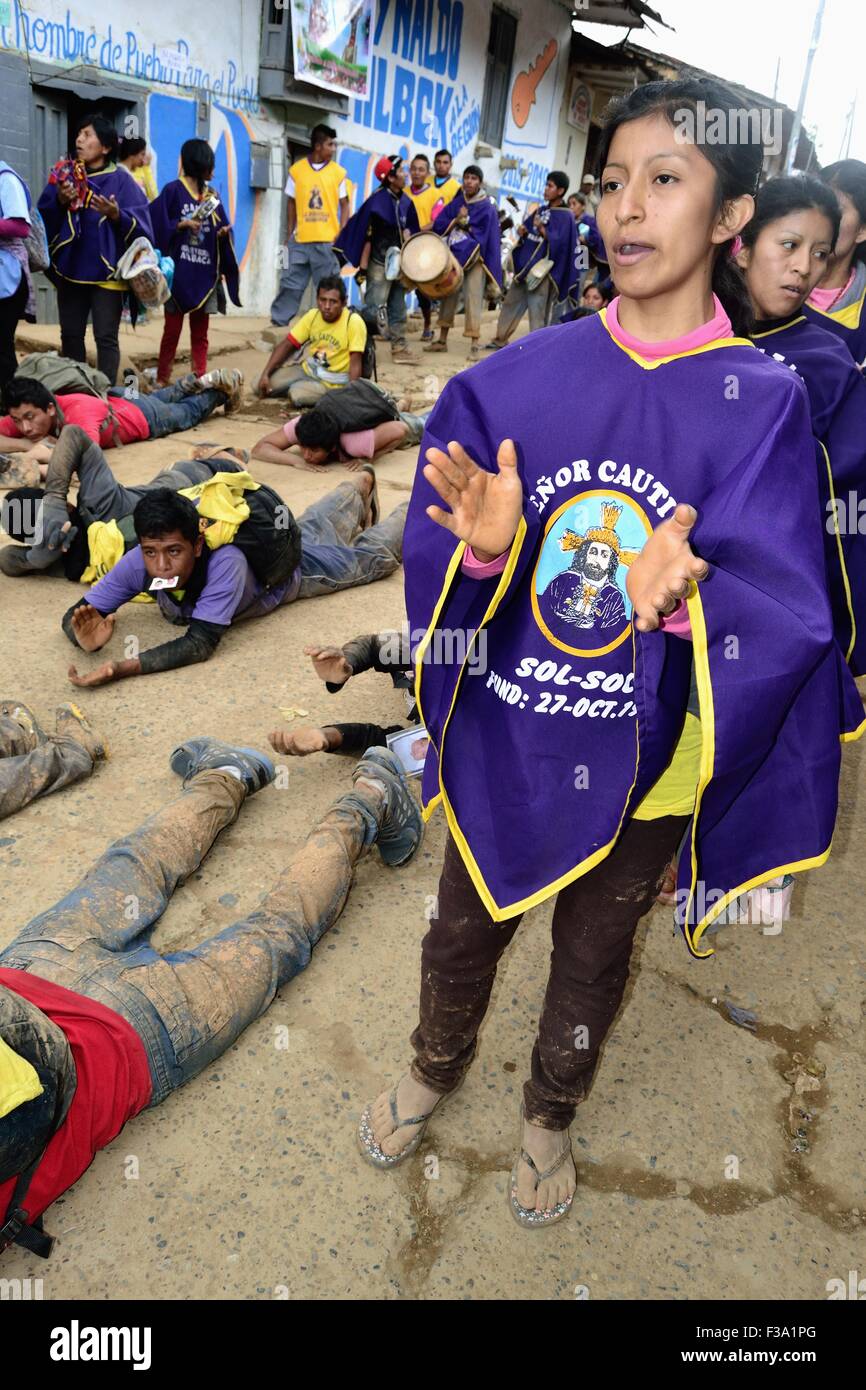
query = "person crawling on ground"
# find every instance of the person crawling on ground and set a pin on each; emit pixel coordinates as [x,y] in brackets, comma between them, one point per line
[350,425]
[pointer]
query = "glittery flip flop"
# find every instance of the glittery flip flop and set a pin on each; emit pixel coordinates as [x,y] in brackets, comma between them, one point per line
[528,1217]
[367,1145]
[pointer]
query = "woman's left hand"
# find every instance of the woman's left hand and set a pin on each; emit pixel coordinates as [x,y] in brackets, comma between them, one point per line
[665,569]
[224,231]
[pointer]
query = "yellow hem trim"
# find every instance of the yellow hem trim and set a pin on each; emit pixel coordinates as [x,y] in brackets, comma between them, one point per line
[853,736]
[842,565]
[704,683]
[674,356]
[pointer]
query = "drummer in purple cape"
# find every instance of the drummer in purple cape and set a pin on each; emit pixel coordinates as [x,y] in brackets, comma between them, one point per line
[469,225]
[678,481]
[372,240]
[784,253]
[545,269]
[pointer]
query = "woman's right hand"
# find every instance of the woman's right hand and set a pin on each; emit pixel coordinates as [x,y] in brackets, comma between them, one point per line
[66,193]
[485,508]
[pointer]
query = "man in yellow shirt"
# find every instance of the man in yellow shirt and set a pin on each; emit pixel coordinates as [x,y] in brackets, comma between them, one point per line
[336,336]
[424,195]
[317,207]
[446,185]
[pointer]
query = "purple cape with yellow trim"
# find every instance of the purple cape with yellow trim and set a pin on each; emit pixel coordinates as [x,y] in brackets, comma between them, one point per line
[837,400]
[84,245]
[560,246]
[198,264]
[483,231]
[544,741]
[350,243]
[848,324]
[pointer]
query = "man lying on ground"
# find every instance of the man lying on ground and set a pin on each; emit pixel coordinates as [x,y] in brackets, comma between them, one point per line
[80,541]
[386,652]
[208,590]
[35,416]
[96,1025]
[34,763]
[358,422]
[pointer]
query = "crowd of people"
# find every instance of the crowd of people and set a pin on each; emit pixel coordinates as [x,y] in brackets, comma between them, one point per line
[653,471]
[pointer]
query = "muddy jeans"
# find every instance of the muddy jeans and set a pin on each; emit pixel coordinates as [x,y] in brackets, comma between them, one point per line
[336,553]
[188,1007]
[381,291]
[594,923]
[298,386]
[27,771]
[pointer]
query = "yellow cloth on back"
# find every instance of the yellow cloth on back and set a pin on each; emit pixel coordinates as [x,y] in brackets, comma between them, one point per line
[106,546]
[19,1081]
[221,502]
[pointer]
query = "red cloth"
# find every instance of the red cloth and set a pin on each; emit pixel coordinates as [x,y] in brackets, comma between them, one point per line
[113,1085]
[91,413]
[198,337]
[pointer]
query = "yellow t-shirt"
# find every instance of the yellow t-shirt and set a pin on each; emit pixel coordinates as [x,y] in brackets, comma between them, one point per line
[674,792]
[424,202]
[330,343]
[317,199]
[449,189]
[19,1081]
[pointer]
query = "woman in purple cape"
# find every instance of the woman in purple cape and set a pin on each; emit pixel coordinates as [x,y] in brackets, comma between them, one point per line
[87,241]
[191,225]
[576,773]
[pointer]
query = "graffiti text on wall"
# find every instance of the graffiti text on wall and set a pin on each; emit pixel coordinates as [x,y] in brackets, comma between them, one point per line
[403,101]
[120,53]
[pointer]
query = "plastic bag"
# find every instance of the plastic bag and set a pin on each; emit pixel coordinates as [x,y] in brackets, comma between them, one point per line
[140,268]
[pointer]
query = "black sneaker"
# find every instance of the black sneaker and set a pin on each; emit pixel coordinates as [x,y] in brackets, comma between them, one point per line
[402,829]
[200,754]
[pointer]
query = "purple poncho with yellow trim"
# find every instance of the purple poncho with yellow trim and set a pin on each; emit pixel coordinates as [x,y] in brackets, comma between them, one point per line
[837,399]
[846,321]
[84,245]
[560,245]
[200,258]
[562,718]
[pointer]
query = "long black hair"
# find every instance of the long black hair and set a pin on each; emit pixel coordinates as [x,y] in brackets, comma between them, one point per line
[781,196]
[849,176]
[197,160]
[737,162]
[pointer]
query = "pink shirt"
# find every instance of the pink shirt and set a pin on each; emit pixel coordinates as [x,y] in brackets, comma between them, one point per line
[825,299]
[358,444]
[719,326]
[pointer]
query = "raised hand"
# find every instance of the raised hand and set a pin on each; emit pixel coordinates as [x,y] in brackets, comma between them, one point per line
[91,629]
[485,508]
[665,569]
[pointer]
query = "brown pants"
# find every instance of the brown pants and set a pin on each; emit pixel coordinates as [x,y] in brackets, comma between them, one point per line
[473,303]
[594,923]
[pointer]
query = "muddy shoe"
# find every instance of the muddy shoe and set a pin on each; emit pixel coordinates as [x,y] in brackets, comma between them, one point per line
[402,828]
[72,722]
[18,472]
[209,452]
[24,716]
[189,384]
[230,381]
[203,754]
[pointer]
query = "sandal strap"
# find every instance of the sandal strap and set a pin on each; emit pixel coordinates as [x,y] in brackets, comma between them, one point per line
[554,1167]
[413,1119]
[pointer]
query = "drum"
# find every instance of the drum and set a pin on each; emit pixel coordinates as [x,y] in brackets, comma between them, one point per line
[427,264]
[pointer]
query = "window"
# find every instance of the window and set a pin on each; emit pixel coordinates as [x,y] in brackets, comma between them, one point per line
[497,76]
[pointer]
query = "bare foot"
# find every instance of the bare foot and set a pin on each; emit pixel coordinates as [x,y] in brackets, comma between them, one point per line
[329,664]
[544,1147]
[298,743]
[412,1099]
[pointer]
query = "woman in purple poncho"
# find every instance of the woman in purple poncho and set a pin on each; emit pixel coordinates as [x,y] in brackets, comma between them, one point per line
[89,228]
[192,226]
[574,746]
